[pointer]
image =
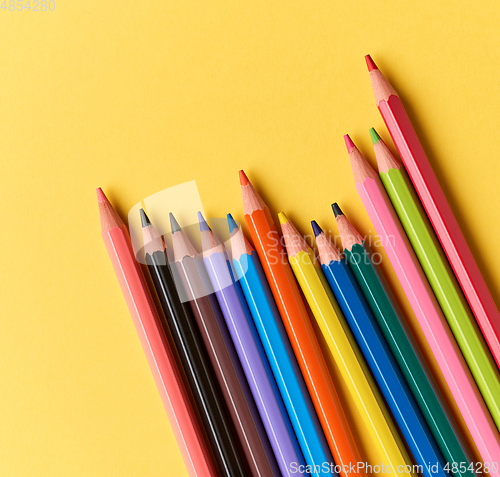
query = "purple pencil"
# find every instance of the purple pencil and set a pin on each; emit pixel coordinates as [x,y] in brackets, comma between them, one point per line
[251,354]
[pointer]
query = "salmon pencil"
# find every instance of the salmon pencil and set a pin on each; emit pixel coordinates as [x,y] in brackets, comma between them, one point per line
[154,343]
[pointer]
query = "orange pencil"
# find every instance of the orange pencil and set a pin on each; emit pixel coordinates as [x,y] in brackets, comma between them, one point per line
[156,348]
[299,329]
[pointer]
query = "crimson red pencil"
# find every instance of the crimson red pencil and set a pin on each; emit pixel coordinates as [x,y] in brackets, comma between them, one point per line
[437,207]
[156,348]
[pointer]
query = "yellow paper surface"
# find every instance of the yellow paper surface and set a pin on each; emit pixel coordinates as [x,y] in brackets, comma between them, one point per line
[137,97]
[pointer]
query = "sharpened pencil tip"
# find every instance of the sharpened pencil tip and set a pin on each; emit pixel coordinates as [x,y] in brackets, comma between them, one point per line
[370,63]
[337,210]
[282,218]
[316,228]
[232,223]
[101,196]
[174,225]
[348,143]
[374,136]
[243,178]
[145,222]
[203,223]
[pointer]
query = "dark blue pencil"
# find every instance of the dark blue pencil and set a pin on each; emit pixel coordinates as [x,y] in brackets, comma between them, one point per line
[379,357]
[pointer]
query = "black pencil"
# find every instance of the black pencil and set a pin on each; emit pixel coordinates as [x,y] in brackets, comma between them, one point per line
[193,357]
[189,269]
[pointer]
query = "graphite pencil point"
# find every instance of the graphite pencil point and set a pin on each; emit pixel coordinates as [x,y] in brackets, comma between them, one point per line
[174,225]
[144,219]
[336,209]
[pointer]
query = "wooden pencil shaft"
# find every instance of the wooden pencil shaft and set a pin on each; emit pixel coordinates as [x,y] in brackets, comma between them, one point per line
[424,305]
[281,359]
[232,381]
[195,362]
[252,357]
[156,348]
[303,340]
[439,211]
[347,357]
[395,330]
[448,294]
[428,312]
[384,367]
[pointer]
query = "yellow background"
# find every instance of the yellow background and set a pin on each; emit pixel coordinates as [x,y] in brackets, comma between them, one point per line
[140,96]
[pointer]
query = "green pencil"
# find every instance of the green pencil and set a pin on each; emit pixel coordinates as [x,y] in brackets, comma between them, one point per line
[391,323]
[440,276]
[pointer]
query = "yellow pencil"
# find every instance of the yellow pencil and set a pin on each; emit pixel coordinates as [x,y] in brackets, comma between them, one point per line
[345,353]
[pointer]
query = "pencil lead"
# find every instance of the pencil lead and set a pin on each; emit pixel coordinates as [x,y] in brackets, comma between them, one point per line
[243,178]
[385,158]
[316,228]
[231,223]
[348,143]
[174,225]
[101,196]
[370,63]
[282,218]
[145,222]
[374,136]
[203,223]
[337,210]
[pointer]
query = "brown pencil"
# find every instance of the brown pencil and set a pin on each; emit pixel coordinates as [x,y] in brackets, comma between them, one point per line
[193,356]
[189,270]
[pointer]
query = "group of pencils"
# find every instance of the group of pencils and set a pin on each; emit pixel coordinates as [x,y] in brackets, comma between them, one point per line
[236,358]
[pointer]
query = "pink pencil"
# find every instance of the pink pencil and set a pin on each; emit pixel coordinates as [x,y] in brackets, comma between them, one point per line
[156,348]
[424,303]
[437,207]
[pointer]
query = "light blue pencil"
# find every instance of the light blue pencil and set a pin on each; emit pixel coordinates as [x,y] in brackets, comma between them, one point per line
[251,354]
[279,351]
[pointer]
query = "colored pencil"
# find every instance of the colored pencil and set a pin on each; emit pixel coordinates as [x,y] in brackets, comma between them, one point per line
[431,319]
[193,357]
[191,274]
[380,357]
[441,280]
[437,207]
[449,297]
[251,354]
[423,303]
[344,350]
[300,332]
[382,305]
[277,347]
[154,343]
